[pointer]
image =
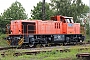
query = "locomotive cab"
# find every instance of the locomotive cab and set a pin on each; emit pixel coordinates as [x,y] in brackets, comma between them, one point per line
[70,29]
[63,19]
[68,26]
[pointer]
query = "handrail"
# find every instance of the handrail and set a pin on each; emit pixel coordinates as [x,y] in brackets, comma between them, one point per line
[23,30]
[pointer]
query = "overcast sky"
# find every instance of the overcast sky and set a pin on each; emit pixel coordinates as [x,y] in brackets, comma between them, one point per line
[27,4]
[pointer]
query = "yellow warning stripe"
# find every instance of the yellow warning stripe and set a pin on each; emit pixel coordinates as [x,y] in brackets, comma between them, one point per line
[9,42]
[21,41]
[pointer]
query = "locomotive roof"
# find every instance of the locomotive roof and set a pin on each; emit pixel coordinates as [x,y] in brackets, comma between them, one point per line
[68,17]
[29,20]
[24,20]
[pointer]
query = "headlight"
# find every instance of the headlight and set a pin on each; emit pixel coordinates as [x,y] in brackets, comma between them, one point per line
[9,38]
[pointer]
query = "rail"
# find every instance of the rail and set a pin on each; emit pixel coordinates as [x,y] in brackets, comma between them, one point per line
[29,51]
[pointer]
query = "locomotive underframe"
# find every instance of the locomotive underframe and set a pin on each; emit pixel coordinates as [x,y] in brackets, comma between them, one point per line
[45,39]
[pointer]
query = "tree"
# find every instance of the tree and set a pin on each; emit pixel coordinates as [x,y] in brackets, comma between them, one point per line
[15,12]
[74,8]
[2,24]
[36,13]
[61,7]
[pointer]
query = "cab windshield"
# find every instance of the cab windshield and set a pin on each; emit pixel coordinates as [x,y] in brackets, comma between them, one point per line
[68,20]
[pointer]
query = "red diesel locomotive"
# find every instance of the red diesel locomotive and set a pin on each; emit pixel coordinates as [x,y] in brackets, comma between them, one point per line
[59,29]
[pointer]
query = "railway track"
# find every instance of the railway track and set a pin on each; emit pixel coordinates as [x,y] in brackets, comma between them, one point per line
[6,48]
[14,47]
[30,51]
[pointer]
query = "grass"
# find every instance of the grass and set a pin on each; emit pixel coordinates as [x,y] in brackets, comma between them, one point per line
[87,38]
[53,55]
[3,42]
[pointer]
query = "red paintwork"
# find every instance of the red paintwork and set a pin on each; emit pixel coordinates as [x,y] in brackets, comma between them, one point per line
[56,25]
[15,27]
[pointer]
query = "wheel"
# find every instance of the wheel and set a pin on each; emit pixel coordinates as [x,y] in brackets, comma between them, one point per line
[64,44]
[44,45]
[31,45]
